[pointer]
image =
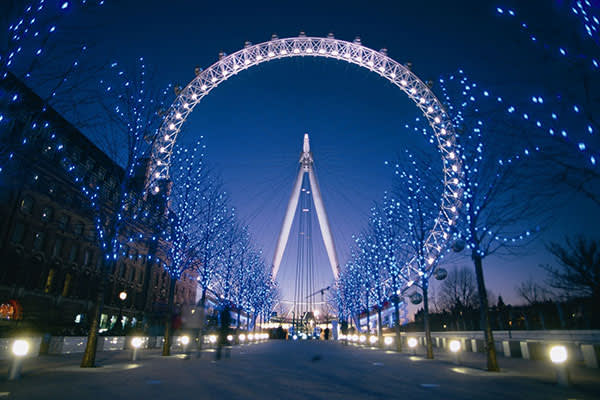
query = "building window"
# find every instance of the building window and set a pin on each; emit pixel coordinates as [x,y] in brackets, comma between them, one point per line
[38,240]
[63,222]
[18,233]
[77,228]
[47,213]
[73,253]
[56,250]
[26,205]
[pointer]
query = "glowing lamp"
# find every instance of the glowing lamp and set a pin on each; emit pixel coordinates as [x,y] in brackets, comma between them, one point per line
[362,338]
[213,338]
[250,337]
[185,340]
[388,340]
[230,338]
[373,339]
[454,346]
[412,342]
[242,337]
[20,347]
[558,354]
[136,342]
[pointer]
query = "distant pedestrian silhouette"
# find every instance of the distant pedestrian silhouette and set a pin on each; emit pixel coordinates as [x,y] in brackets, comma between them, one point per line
[224,323]
[326,334]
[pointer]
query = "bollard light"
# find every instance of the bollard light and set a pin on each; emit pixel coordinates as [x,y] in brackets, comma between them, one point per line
[185,340]
[295,337]
[362,338]
[355,338]
[230,338]
[250,336]
[213,338]
[558,354]
[242,337]
[136,343]
[454,346]
[388,340]
[412,343]
[372,339]
[20,347]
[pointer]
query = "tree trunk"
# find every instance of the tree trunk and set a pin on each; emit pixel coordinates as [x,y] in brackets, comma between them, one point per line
[397,324]
[169,322]
[202,318]
[89,356]
[492,362]
[379,327]
[427,327]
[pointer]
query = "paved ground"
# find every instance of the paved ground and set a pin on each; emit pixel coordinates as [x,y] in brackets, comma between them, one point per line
[292,370]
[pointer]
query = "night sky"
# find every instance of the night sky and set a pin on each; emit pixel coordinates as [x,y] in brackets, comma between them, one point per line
[253,124]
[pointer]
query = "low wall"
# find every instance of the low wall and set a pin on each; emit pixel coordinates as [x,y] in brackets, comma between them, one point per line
[582,346]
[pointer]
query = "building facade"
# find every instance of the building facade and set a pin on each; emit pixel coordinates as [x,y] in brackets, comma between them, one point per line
[50,260]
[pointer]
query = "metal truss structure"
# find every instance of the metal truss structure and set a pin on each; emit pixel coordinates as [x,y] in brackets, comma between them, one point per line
[306,167]
[351,52]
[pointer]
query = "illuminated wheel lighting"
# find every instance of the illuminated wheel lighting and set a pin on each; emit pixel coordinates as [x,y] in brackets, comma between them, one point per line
[355,53]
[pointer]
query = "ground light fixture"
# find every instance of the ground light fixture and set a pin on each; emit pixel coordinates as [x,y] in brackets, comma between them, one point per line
[19,348]
[136,343]
[355,338]
[388,340]
[295,337]
[250,336]
[559,356]
[412,343]
[184,340]
[373,339]
[242,337]
[454,347]
[230,338]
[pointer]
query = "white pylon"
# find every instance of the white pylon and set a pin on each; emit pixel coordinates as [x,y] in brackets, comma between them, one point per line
[306,167]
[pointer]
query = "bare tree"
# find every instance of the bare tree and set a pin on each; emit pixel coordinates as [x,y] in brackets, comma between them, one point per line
[578,273]
[532,292]
[458,293]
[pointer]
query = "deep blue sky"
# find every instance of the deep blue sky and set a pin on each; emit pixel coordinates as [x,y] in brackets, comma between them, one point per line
[254,122]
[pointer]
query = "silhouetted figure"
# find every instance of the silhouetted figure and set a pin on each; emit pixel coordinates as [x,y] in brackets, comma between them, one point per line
[224,322]
[326,334]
